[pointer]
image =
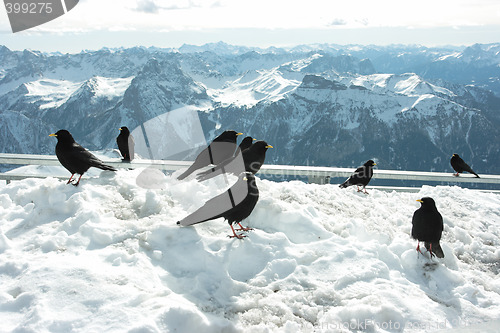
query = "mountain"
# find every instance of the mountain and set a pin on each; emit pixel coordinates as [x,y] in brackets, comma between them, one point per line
[407,107]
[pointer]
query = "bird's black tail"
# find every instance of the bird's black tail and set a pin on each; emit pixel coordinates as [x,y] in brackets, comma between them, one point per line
[103,166]
[436,249]
[344,184]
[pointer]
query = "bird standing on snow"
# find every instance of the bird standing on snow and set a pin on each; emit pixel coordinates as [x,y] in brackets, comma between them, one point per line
[459,166]
[74,157]
[428,227]
[221,148]
[234,205]
[251,160]
[361,176]
[126,144]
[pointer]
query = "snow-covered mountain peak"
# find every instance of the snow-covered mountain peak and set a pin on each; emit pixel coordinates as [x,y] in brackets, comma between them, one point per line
[253,87]
[51,93]
[409,84]
[300,64]
[98,87]
[348,101]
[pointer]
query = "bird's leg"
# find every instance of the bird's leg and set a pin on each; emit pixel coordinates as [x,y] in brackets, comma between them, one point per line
[235,235]
[78,182]
[242,228]
[456,174]
[69,180]
[430,250]
[364,189]
[357,186]
[418,248]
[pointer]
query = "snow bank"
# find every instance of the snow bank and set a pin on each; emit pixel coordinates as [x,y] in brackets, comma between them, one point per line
[108,256]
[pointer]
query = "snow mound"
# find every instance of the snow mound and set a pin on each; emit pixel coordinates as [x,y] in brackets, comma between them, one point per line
[108,256]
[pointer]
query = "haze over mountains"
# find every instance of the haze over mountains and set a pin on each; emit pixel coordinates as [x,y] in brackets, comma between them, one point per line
[406,107]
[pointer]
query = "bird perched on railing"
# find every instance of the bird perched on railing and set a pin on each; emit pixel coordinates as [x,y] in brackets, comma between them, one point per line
[244,144]
[361,176]
[428,226]
[459,165]
[74,157]
[250,159]
[221,148]
[234,205]
[125,142]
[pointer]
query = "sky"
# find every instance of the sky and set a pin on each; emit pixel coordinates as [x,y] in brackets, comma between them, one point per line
[94,24]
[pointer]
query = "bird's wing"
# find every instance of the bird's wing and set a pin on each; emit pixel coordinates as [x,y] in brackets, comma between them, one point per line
[415,221]
[441,224]
[234,165]
[217,167]
[218,206]
[215,153]
[131,145]
[82,155]
[220,151]
[357,174]
[467,168]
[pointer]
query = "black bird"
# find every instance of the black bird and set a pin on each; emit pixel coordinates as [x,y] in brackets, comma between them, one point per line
[251,160]
[428,227]
[361,176]
[234,205]
[126,144]
[459,166]
[244,144]
[74,157]
[221,148]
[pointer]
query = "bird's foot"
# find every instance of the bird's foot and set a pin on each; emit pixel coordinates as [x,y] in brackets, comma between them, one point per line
[456,174]
[70,178]
[418,249]
[363,190]
[240,236]
[242,228]
[78,182]
[430,250]
[235,235]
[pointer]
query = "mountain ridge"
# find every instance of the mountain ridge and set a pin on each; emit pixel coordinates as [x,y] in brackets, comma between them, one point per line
[325,106]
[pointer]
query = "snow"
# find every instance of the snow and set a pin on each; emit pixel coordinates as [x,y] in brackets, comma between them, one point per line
[255,86]
[111,87]
[108,256]
[54,93]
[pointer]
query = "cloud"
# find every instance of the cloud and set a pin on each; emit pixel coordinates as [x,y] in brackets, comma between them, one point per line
[364,21]
[147,6]
[338,21]
[151,6]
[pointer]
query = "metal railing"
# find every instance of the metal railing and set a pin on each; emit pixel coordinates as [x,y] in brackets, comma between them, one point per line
[318,175]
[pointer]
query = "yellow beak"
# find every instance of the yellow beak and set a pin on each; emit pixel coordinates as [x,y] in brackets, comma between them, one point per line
[53,134]
[419,200]
[269,146]
[239,133]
